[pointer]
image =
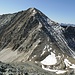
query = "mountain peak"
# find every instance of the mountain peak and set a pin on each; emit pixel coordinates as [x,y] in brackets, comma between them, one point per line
[32,36]
[33,9]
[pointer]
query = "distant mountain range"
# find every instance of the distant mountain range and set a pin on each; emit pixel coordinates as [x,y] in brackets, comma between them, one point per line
[33,41]
[67,24]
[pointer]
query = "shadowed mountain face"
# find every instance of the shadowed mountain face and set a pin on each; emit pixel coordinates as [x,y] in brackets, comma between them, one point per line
[69,33]
[31,36]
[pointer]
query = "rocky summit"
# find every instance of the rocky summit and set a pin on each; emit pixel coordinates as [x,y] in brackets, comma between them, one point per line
[33,44]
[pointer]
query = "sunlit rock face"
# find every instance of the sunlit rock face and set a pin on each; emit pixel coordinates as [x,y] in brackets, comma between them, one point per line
[31,36]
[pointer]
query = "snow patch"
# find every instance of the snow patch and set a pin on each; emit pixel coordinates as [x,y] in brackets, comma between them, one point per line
[56,71]
[73,66]
[67,62]
[61,72]
[43,52]
[34,11]
[49,60]
[34,55]
[36,62]
[44,48]
[49,49]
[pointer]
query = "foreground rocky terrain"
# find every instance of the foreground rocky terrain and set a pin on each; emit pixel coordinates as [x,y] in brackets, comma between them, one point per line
[33,44]
[27,68]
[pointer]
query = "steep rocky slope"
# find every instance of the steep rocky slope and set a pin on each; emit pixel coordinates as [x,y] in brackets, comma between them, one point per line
[69,33]
[31,36]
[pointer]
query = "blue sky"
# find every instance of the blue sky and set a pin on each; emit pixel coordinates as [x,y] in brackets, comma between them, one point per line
[62,11]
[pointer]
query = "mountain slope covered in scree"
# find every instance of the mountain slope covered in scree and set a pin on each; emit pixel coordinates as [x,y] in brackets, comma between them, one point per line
[31,36]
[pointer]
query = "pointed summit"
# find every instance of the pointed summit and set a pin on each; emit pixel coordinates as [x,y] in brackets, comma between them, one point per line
[32,9]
